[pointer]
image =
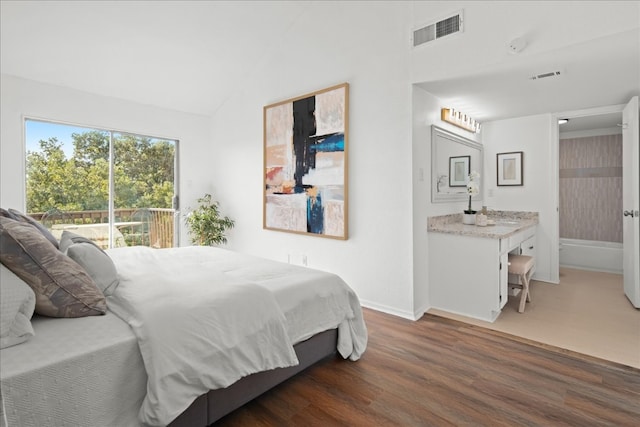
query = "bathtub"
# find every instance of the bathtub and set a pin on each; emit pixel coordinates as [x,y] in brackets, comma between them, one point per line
[591,255]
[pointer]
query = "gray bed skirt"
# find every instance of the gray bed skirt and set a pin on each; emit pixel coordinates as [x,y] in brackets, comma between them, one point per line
[214,405]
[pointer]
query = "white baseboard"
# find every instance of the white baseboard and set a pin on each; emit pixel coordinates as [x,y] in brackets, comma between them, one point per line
[389,310]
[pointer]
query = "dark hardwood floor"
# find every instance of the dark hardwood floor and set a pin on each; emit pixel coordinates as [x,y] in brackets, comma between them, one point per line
[439,372]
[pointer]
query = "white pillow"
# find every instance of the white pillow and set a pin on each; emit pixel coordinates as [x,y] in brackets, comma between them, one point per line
[93,259]
[17,303]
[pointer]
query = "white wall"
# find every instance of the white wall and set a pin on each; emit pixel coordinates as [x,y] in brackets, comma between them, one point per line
[533,136]
[376,260]
[22,98]
[591,132]
[426,112]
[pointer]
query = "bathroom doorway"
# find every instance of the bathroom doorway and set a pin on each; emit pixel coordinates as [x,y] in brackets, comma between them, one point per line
[590,193]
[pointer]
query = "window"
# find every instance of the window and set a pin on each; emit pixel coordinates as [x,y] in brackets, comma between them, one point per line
[118,189]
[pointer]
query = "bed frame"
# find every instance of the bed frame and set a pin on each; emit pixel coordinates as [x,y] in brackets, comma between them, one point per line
[214,405]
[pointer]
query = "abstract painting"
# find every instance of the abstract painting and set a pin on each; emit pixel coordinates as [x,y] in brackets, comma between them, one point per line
[305,164]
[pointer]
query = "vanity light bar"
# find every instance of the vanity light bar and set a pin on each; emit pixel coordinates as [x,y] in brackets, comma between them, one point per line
[459,119]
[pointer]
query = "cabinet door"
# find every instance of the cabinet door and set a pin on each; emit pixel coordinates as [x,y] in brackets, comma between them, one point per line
[504,273]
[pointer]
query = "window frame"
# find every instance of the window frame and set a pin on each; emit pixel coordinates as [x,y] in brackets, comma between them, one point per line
[111,131]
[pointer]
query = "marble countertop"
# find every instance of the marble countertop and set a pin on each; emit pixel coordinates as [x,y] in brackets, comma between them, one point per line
[507,223]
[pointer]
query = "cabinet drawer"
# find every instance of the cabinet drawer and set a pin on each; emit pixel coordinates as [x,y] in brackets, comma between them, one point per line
[515,241]
[528,247]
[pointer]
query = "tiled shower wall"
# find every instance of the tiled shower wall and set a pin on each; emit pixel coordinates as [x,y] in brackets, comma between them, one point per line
[591,188]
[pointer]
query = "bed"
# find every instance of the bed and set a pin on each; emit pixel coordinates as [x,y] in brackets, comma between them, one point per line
[188,335]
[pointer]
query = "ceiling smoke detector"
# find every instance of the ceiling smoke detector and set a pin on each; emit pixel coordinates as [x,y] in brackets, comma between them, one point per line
[516,45]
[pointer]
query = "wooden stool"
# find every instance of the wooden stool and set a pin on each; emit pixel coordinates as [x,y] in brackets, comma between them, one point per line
[521,266]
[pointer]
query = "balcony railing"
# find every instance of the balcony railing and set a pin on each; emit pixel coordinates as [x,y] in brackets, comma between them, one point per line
[151,227]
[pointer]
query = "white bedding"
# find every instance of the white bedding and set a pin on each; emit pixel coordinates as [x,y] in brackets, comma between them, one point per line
[312,300]
[307,301]
[93,372]
[198,329]
[85,371]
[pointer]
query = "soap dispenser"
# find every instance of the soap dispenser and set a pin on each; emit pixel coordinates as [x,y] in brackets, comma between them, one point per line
[481,218]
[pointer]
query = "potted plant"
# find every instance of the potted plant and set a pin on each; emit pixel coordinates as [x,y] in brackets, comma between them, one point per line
[205,223]
[473,189]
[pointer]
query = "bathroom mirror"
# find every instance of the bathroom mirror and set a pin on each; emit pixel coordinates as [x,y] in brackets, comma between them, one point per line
[452,158]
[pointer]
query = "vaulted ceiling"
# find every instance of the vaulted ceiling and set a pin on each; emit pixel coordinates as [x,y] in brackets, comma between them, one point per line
[191,56]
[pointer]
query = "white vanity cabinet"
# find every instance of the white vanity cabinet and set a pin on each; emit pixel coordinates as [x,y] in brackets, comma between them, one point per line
[468,273]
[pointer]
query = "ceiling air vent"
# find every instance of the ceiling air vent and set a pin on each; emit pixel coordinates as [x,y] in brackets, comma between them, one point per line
[445,27]
[546,75]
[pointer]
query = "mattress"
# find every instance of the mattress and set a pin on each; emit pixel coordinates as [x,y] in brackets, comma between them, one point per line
[82,372]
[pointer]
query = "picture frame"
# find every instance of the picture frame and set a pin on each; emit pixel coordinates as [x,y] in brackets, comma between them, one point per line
[510,168]
[459,170]
[305,167]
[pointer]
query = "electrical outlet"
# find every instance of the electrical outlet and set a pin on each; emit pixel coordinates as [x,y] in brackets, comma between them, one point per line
[288,258]
[304,260]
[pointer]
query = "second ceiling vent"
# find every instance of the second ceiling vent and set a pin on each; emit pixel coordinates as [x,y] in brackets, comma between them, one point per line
[442,28]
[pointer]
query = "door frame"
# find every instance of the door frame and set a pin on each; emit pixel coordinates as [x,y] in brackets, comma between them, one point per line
[630,190]
[555,164]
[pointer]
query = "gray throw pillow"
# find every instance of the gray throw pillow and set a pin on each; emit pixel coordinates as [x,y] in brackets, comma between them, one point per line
[62,287]
[17,302]
[5,213]
[93,259]
[27,219]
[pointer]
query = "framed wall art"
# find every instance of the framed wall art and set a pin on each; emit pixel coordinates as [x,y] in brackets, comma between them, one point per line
[305,164]
[459,169]
[510,168]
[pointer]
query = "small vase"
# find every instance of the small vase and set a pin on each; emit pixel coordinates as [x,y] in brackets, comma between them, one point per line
[469,219]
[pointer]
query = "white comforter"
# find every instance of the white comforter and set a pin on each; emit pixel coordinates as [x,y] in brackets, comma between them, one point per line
[197,329]
[206,317]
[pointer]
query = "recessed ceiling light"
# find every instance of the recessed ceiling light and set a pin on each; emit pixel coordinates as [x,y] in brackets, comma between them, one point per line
[563,121]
